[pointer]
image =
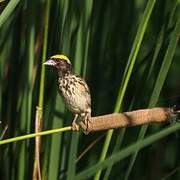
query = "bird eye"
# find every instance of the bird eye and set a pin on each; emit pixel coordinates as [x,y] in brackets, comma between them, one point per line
[56,60]
[62,61]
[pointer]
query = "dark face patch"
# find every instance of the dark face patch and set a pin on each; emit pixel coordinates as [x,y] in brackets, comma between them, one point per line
[62,65]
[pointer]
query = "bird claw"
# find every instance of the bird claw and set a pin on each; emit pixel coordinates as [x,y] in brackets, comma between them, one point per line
[85,132]
[75,127]
[86,122]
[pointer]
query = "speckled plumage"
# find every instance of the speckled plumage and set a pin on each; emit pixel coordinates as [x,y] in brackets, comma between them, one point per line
[75,93]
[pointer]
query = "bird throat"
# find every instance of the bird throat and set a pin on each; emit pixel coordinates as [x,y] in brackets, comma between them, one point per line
[61,74]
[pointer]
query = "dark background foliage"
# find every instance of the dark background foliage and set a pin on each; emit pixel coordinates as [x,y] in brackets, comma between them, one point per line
[101,39]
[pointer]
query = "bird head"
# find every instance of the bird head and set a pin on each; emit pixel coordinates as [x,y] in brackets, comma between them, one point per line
[60,62]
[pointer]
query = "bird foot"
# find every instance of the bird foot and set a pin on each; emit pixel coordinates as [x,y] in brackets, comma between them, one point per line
[75,127]
[86,122]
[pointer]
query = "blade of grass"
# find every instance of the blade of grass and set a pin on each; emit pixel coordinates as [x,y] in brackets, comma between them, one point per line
[57,160]
[87,24]
[81,52]
[127,74]
[30,73]
[127,151]
[158,85]
[56,142]
[25,95]
[75,136]
[156,53]
[4,55]
[39,111]
[45,39]
[22,151]
[9,9]
[157,49]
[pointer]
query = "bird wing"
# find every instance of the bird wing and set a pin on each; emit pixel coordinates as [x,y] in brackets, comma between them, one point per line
[84,89]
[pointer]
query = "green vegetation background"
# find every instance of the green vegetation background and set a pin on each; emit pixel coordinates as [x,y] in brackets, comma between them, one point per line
[128,52]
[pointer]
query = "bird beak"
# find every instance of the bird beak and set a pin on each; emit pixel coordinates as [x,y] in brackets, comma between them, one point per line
[50,62]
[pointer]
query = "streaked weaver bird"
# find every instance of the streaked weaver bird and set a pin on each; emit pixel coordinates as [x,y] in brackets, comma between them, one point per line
[73,89]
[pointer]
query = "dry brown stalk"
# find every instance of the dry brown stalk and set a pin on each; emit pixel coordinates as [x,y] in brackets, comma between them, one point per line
[126,119]
[38,128]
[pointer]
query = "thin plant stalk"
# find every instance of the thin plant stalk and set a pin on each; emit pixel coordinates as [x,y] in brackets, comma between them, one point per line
[39,111]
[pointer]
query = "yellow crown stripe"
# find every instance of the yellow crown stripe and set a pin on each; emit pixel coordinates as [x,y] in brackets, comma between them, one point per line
[61,56]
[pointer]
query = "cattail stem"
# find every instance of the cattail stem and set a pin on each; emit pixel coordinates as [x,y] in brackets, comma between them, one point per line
[126,119]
